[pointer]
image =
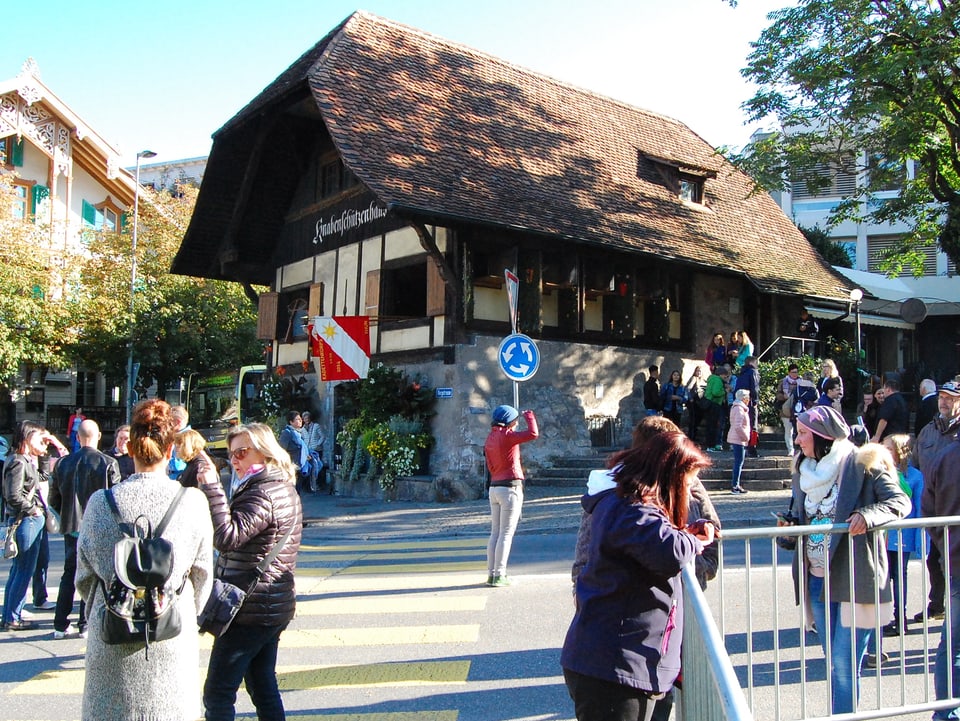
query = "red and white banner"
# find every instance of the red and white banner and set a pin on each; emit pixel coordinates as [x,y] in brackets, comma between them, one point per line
[341,346]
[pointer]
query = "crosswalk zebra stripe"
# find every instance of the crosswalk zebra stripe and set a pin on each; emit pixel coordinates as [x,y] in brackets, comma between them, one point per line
[386,569]
[414,673]
[390,635]
[478,542]
[291,678]
[409,603]
[306,559]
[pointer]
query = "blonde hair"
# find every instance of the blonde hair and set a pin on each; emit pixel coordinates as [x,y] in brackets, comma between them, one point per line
[188,444]
[152,430]
[900,446]
[262,438]
[829,364]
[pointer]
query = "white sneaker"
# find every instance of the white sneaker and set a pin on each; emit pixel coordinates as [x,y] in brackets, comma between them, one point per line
[69,632]
[47,605]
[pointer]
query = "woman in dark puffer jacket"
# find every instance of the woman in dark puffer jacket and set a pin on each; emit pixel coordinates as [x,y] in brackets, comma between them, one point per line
[264,504]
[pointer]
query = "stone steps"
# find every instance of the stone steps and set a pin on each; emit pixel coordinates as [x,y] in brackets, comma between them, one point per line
[771,471]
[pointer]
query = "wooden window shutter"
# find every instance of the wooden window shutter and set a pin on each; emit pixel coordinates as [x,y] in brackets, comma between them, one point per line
[315,304]
[16,153]
[267,316]
[436,291]
[89,215]
[372,294]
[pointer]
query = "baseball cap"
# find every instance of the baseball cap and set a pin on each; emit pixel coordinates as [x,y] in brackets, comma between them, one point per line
[951,388]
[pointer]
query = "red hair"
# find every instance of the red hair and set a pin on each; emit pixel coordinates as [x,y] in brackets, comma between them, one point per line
[656,471]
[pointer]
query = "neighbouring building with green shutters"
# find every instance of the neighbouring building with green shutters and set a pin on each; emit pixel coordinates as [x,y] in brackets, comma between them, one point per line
[68,181]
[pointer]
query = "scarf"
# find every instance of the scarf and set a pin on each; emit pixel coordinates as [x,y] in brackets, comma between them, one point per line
[946,425]
[819,480]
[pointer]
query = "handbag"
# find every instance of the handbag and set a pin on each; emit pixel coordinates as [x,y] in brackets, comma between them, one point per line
[10,548]
[754,439]
[225,599]
[51,519]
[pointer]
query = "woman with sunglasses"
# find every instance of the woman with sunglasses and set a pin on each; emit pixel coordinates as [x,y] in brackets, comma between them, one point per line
[21,495]
[263,507]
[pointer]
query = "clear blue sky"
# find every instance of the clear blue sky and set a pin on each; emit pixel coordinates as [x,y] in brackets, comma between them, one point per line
[165,75]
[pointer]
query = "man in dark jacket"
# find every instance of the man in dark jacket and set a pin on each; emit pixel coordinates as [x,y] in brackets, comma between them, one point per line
[927,409]
[894,414]
[75,478]
[651,391]
[941,497]
[932,440]
[121,438]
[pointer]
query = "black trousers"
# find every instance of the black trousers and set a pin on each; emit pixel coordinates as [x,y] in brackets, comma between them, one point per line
[938,584]
[68,588]
[597,700]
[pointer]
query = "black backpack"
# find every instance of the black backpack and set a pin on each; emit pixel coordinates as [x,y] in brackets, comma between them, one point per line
[140,602]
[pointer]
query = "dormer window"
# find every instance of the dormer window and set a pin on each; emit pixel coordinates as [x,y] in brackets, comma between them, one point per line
[691,189]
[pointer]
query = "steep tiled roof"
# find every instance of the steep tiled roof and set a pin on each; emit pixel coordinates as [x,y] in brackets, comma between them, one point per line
[442,130]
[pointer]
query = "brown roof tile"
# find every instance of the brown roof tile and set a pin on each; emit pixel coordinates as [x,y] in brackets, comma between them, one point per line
[439,129]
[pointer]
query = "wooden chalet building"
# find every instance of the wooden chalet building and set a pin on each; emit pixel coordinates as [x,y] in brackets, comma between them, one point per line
[395,174]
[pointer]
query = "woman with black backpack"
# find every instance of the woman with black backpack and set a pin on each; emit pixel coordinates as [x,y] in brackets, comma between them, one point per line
[134,680]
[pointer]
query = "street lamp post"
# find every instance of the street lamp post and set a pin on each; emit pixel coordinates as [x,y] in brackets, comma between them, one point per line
[856,297]
[133,278]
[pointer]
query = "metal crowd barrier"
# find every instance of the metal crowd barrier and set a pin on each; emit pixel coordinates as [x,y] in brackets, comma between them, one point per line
[752,657]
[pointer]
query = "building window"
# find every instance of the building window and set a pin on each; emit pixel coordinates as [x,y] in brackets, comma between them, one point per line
[691,189]
[22,208]
[11,151]
[292,315]
[403,293]
[334,179]
[102,216]
[826,180]
[33,400]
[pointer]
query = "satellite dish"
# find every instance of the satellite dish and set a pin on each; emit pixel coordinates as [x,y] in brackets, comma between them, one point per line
[913,310]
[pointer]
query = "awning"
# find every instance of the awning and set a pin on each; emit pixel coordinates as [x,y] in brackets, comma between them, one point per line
[883,321]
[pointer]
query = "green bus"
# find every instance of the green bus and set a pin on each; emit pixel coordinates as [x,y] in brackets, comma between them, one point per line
[218,401]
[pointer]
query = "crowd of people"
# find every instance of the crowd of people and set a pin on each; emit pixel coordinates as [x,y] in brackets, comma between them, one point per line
[157,474]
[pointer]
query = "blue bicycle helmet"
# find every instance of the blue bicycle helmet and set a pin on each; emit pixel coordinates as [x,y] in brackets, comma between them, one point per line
[504,415]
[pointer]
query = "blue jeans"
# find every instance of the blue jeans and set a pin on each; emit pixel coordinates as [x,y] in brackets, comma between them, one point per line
[738,455]
[949,657]
[506,504]
[248,654]
[22,567]
[844,680]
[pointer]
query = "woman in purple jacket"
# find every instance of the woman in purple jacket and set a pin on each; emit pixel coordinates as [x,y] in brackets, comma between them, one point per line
[622,651]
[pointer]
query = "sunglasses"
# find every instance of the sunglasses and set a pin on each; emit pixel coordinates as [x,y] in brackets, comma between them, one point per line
[239,453]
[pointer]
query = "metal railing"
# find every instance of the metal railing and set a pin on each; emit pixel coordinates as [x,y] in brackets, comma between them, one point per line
[804,343]
[761,643]
[710,689]
[782,671]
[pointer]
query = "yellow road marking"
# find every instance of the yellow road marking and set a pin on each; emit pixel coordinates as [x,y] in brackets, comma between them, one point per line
[390,604]
[328,583]
[360,569]
[390,635]
[478,542]
[399,555]
[378,716]
[416,673]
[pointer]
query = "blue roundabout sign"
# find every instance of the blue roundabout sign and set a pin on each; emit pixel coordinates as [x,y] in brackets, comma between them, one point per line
[519,357]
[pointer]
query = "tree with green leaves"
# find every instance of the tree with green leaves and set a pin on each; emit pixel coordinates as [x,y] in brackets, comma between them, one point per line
[180,325]
[821,242]
[36,314]
[862,86]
